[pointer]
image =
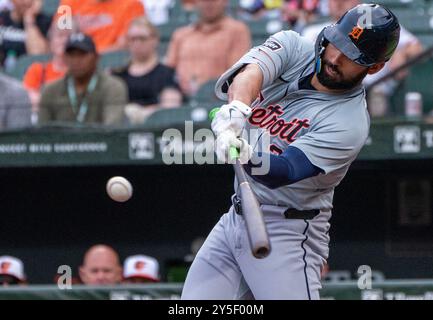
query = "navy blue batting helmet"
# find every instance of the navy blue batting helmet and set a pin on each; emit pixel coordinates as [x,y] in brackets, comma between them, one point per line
[367,34]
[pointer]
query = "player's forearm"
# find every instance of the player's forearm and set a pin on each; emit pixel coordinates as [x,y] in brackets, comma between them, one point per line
[246,85]
[289,167]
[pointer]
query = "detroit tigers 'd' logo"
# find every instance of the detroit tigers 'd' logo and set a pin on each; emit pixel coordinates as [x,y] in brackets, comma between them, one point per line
[356,33]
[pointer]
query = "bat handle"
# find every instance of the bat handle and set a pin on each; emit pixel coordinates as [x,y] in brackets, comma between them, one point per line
[213,112]
[257,234]
[234,153]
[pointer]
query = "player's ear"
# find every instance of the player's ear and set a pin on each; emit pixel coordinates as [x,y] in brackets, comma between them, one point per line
[376,68]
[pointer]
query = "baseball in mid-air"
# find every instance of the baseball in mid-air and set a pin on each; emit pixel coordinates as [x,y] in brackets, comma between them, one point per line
[119,189]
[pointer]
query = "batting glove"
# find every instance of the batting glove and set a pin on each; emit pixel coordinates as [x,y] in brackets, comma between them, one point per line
[232,117]
[228,139]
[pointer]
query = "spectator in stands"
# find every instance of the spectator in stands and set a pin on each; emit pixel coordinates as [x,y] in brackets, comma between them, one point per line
[188,5]
[298,13]
[336,9]
[15,107]
[11,271]
[204,50]
[151,85]
[158,11]
[101,266]
[23,30]
[106,21]
[408,47]
[260,9]
[5,5]
[140,269]
[84,95]
[41,73]
[251,9]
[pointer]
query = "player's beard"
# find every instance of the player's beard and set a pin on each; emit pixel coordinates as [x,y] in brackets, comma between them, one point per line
[345,84]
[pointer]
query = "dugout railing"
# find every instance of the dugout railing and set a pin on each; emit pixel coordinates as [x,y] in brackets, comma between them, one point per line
[350,290]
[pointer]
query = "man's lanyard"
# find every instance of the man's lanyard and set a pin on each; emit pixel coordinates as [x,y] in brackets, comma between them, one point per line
[82,109]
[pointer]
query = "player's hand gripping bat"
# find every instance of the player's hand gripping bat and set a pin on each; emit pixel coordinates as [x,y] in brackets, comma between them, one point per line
[256,228]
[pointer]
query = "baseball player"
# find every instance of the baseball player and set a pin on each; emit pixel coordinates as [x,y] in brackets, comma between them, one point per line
[308,102]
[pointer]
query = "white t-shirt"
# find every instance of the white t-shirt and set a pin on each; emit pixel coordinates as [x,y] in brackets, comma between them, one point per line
[6,5]
[158,11]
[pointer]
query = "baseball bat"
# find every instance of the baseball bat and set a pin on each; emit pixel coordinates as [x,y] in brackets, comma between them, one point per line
[253,216]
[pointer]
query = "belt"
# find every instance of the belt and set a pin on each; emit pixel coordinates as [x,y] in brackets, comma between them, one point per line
[289,213]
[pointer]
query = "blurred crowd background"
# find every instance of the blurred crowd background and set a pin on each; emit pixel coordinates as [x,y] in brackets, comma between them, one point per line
[119,62]
[116,63]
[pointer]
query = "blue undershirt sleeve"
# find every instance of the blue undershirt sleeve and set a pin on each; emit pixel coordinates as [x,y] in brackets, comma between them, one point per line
[289,167]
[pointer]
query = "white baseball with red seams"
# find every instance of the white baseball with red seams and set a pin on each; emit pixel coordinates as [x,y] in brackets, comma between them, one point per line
[119,189]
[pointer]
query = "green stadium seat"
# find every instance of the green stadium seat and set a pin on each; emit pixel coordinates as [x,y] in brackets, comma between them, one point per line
[49,7]
[416,21]
[206,93]
[395,4]
[162,48]
[259,29]
[174,118]
[107,60]
[426,39]
[167,30]
[24,62]
[113,59]
[180,16]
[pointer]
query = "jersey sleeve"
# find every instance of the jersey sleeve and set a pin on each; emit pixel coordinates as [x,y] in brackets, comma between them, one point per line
[277,54]
[331,146]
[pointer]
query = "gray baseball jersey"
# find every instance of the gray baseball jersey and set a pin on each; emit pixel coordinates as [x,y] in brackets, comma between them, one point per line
[330,129]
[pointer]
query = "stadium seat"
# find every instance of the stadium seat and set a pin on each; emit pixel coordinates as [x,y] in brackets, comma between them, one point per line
[107,60]
[394,4]
[162,48]
[166,31]
[259,29]
[426,39]
[174,118]
[206,93]
[180,16]
[49,7]
[416,20]
[24,62]
[113,59]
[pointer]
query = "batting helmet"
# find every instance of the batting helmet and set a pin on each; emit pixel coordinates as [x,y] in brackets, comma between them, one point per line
[367,34]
